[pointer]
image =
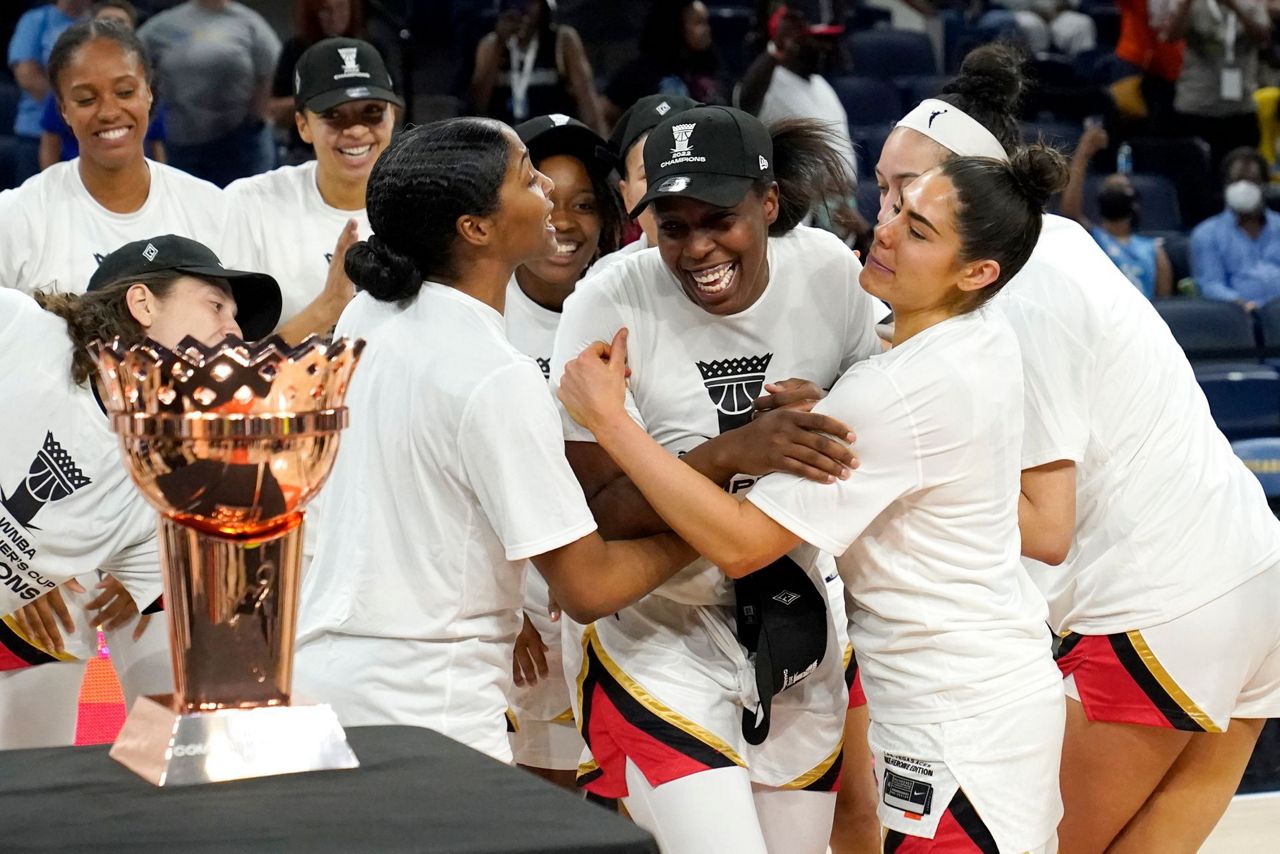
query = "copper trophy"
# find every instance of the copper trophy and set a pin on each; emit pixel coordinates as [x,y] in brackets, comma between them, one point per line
[229,443]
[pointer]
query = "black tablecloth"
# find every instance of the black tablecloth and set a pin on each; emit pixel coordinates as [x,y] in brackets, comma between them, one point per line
[415,790]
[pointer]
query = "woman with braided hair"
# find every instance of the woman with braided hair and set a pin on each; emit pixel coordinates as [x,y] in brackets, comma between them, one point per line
[452,474]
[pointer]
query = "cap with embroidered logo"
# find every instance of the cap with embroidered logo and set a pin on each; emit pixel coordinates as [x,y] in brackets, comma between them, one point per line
[712,154]
[557,133]
[257,295]
[335,71]
[642,116]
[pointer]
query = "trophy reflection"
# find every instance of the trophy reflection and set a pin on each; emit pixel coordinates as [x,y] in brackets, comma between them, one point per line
[229,443]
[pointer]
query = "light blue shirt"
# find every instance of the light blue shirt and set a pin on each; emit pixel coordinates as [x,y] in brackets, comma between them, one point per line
[33,40]
[1229,265]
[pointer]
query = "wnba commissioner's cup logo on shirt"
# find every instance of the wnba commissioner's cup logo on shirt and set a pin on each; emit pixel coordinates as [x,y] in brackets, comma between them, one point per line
[53,476]
[734,385]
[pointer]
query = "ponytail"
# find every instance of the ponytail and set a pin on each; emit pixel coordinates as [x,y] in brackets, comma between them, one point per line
[810,170]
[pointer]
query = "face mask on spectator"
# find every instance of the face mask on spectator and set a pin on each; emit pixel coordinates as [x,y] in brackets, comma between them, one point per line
[1117,203]
[1244,197]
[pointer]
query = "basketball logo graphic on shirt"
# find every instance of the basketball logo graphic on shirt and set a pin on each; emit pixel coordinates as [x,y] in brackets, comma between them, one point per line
[734,384]
[350,65]
[52,476]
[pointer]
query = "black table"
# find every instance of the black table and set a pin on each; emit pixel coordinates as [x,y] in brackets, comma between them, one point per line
[415,790]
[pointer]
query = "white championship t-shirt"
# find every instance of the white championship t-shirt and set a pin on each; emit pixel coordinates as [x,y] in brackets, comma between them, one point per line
[791,96]
[695,375]
[532,329]
[945,621]
[67,504]
[1167,517]
[280,224]
[604,263]
[451,475]
[53,233]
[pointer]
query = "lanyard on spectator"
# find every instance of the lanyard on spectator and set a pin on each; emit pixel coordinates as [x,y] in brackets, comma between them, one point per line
[521,75]
[1227,23]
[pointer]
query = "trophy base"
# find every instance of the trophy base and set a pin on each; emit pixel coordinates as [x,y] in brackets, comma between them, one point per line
[167,748]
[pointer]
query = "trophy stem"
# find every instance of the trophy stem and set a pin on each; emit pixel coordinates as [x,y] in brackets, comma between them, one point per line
[232,607]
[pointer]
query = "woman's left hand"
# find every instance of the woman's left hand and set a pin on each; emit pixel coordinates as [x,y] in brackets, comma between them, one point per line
[594,386]
[114,607]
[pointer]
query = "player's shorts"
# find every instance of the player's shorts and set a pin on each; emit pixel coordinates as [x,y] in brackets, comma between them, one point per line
[669,695]
[986,783]
[1193,673]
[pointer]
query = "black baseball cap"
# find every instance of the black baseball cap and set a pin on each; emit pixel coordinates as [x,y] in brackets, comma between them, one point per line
[712,154]
[782,621]
[546,136]
[643,116]
[335,71]
[257,295]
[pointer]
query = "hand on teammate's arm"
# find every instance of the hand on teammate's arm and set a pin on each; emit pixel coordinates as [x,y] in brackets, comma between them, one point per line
[734,535]
[38,622]
[323,311]
[529,661]
[1047,511]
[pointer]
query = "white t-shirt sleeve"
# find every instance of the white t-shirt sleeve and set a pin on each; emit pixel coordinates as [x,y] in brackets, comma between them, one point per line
[138,569]
[589,315]
[1057,367]
[241,246]
[16,247]
[832,516]
[521,477]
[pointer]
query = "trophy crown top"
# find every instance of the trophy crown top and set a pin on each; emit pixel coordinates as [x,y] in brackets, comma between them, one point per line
[231,377]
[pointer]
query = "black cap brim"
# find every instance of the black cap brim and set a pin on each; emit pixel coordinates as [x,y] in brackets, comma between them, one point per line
[257,296]
[573,140]
[723,191]
[337,97]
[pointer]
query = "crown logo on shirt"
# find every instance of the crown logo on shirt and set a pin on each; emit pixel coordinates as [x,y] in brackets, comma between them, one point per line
[52,476]
[733,385]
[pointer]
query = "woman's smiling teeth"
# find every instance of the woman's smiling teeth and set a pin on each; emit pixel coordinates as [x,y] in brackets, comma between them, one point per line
[565,248]
[113,133]
[713,280]
[357,151]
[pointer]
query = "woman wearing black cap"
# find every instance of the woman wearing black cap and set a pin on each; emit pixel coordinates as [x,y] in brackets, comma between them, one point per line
[69,507]
[737,296]
[288,221]
[588,223]
[966,706]
[452,474]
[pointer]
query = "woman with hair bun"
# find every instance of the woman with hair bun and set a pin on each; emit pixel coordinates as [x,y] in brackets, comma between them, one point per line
[966,705]
[1127,488]
[452,474]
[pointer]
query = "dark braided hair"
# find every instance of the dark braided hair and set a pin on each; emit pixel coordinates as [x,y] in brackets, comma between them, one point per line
[421,184]
[81,33]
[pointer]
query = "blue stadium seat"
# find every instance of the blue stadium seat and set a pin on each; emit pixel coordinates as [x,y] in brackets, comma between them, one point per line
[891,53]
[1244,399]
[867,100]
[1202,324]
[1186,162]
[868,140]
[730,29]
[1157,196]
[1178,247]
[8,153]
[868,199]
[916,88]
[9,93]
[1262,457]
[1269,326]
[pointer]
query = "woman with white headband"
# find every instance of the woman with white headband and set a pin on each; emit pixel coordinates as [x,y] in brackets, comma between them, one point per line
[966,704]
[1128,492]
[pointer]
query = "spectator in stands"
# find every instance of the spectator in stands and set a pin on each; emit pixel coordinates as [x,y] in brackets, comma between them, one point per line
[214,60]
[1235,255]
[57,142]
[530,66]
[784,82]
[315,20]
[676,58]
[1220,69]
[1050,25]
[1153,62]
[1142,259]
[29,50]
